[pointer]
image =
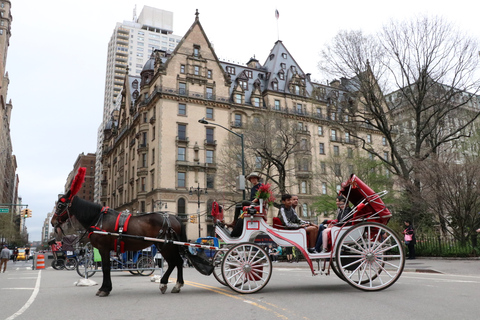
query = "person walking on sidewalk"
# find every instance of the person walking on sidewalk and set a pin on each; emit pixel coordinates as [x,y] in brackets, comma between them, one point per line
[4,256]
[410,239]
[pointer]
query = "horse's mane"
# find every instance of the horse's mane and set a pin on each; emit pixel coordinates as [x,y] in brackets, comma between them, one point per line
[85,211]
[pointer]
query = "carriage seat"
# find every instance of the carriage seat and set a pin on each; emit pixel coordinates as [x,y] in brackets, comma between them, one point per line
[277,223]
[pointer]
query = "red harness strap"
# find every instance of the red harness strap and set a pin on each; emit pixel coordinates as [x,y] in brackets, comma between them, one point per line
[121,225]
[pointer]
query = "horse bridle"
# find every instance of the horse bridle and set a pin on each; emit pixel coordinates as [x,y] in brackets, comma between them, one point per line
[61,212]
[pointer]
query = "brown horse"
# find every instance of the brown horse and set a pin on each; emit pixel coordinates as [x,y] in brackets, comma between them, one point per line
[155,225]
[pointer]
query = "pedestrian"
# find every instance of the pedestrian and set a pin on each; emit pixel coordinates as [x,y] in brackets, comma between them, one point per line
[410,239]
[15,253]
[4,256]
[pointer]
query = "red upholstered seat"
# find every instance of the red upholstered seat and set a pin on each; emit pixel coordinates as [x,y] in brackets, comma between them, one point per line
[277,223]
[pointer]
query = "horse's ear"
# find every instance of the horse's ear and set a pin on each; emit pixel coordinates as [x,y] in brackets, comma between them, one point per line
[77,182]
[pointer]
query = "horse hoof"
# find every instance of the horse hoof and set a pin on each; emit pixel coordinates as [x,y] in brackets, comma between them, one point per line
[102,293]
[177,288]
[163,287]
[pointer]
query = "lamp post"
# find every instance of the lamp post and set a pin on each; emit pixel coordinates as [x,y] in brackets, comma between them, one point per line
[198,191]
[242,178]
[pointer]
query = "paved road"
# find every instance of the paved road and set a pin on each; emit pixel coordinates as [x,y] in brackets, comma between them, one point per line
[292,293]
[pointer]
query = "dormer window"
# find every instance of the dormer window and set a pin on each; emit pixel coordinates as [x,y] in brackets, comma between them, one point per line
[196,51]
[135,84]
[283,65]
[230,70]
[281,75]
[274,85]
[272,56]
[243,84]
[284,55]
[249,74]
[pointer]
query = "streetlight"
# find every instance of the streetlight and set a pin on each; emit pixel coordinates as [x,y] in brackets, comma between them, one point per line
[198,191]
[242,178]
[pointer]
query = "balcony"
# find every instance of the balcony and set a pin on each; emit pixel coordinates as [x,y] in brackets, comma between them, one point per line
[142,147]
[210,142]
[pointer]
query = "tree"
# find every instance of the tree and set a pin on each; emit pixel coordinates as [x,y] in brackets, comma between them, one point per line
[273,147]
[430,69]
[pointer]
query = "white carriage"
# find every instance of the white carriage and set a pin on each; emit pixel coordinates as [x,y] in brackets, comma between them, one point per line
[364,251]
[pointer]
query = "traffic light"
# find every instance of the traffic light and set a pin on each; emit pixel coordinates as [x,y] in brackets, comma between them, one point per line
[29,213]
[193,218]
[24,213]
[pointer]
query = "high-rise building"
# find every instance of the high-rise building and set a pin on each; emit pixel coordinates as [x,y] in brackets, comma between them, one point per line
[130,47]
[8,163]
[86,161]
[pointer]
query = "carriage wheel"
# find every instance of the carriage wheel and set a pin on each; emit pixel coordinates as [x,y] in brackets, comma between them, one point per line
[370,256]
[145,266]
[246,268]
[70,263]
[86,266]
[217,265]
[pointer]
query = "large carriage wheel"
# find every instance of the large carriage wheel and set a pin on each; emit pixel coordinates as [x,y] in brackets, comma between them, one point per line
[370,256]
[246,268]
[145,266]
[217,265]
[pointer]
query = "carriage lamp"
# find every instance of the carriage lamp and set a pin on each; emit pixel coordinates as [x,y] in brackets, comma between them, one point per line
[240,135]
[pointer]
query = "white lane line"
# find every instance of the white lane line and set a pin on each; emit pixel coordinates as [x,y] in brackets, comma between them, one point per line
[30,301]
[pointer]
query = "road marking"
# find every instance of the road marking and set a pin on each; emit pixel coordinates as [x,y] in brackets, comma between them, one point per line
[242,297]
[30,301]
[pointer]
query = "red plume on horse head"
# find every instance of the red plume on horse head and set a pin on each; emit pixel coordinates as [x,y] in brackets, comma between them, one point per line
[77,182]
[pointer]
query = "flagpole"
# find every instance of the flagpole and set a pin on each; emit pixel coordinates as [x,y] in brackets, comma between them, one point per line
[277,15]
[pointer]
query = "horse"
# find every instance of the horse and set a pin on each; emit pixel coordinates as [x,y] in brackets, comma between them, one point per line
[93,217]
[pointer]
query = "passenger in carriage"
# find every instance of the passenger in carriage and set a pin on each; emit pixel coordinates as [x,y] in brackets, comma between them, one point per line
[290,220]
[343,211]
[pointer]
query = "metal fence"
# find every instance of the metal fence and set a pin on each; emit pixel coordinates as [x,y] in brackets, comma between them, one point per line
[441,247]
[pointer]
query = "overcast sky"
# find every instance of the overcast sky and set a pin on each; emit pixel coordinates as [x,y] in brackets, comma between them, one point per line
[58,51]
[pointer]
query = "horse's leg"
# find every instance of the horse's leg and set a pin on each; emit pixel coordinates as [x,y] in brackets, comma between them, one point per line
[107,281]
[179,265]
[166,275]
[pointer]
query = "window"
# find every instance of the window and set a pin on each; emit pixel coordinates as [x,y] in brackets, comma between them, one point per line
[182,88]
[296,89]
[209,74]
[182,109]
[336,151]
[337,170]
[319,112]
[304,210]
[181,206]
[238,120]
[385,155]
[384,141]
[181,179]
[209,93]
[334,135]
[274,85]
[320,130]
[349,153]
[300,126]
[196,70]
[209,156]
[333,116]
[281,75]
[209,132]
[249,74]
[145,117]
[230,70]
[323,167]
[196,51]
[210,181]
[181,153]
[277,105]
[182,132]
[284,55]
[153,156]
[283,65]
[303,187]
[243,84]
[258,162]
[142,184]
[321,147]
[209,113]
[369,138]
[238,98]
[303,144]
[144,160]
[182,68]
[256,102]
[347,137]
[299,108]
[324,188]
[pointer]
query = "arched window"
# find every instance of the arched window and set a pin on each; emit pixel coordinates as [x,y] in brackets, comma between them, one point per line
[181,206]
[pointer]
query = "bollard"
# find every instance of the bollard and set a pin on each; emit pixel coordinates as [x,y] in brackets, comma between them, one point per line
[40,261]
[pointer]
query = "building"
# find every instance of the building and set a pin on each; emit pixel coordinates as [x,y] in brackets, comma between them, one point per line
[87,161]
[130,47]
[155,152]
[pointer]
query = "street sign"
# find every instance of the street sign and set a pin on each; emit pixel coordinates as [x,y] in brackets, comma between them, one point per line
[3,210]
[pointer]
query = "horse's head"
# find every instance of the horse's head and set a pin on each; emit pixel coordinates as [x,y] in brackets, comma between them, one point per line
[61,214]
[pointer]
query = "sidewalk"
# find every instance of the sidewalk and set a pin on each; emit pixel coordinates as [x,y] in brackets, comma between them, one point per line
[458,266]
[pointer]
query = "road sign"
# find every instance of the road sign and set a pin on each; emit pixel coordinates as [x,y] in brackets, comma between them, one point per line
[3,210]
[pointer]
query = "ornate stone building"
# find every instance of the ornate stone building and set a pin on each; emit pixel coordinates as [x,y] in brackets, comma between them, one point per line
[156,149]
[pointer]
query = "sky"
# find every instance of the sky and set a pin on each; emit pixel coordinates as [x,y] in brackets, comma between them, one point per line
[57,62]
